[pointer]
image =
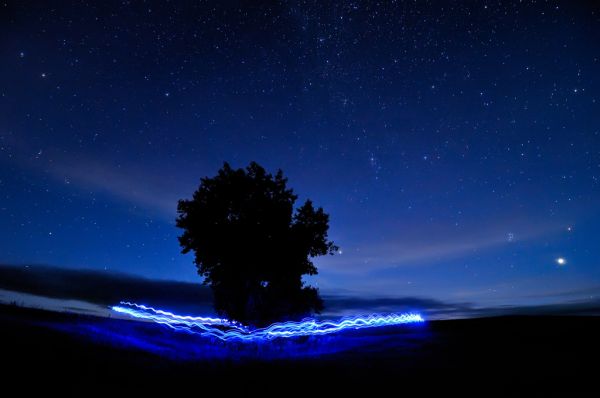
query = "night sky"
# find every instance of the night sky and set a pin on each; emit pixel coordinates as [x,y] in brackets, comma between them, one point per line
[455,146]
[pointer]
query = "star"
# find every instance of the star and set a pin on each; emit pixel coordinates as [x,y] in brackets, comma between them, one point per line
[421,142]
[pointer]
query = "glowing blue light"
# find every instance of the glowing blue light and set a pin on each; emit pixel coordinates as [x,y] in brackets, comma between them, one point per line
[204,320]
[224,329]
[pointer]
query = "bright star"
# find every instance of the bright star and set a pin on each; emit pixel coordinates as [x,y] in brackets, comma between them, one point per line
[561,261]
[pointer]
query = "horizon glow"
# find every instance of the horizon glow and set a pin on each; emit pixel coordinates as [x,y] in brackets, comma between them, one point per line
[225,330]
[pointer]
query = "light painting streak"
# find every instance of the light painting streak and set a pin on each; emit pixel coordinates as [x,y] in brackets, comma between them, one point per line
[204,320]
[224,329]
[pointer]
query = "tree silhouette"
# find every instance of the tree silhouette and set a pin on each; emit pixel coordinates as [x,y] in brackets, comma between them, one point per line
[250,245]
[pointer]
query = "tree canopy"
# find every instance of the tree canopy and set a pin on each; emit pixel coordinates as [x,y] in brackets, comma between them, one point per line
[252,246]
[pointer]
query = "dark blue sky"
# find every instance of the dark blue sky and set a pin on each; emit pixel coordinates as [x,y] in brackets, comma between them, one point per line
[456,146]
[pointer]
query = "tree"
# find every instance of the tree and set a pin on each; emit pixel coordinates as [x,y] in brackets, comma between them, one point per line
[250,245]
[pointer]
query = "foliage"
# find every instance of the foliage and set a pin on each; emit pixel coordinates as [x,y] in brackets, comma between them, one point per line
[251,246]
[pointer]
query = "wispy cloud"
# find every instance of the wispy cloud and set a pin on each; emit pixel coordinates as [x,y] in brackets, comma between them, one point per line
[155,189]
[435,244]
[146,189]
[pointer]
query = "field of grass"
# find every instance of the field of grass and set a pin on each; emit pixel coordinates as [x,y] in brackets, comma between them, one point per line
[512,354]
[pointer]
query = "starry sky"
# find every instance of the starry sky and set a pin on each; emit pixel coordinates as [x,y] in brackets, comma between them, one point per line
[456,145]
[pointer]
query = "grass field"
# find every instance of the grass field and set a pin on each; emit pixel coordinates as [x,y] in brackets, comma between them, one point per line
[513,354]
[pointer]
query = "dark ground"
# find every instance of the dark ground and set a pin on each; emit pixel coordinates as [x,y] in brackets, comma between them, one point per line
[514,355]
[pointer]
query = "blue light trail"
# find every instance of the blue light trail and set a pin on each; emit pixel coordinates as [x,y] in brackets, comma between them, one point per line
[224,329]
